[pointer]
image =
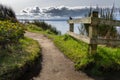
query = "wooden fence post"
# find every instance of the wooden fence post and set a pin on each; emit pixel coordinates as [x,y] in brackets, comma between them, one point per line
[91,25]
[71,29]
[93,35]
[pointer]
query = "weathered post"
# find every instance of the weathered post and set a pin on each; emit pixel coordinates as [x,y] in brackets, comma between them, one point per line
[71,28]
[93,35]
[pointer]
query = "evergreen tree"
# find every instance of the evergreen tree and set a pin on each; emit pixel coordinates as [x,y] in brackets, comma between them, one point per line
[7,13]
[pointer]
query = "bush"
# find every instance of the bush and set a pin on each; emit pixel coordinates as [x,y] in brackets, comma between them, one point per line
[32,28]
[10,33]
[22,58]
[7,13]
[46,26]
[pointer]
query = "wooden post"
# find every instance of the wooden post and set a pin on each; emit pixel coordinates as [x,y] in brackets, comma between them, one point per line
[93,35]
[71,27]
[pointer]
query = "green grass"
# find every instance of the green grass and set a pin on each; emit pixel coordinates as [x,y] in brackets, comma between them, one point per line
[72,48]
[18,56]
[33,28]
[38,29]
[104,61]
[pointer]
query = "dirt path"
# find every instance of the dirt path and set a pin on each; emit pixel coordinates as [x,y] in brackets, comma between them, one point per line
[55,65]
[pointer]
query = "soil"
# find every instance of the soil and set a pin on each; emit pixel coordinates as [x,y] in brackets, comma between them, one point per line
[55,66]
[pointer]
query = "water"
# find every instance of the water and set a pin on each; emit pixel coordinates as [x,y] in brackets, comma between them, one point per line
[63,26]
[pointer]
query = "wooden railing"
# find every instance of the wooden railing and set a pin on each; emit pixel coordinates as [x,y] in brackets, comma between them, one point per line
[92,38]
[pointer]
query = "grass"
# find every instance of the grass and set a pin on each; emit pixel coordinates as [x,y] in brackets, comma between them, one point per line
[42,26]
[72,48]
[47,27]
[13,60]
[33,28]
[104,61]
[36,29]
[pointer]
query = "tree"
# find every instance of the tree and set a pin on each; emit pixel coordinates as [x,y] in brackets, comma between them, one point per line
[6,13]
[104,31]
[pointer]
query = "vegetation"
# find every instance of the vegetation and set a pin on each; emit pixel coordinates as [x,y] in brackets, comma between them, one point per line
[22,55]
[35,28]
[17,53]
[10,33]
[6,13]
[104,31]
[105,60]
[107,31]
[46,27]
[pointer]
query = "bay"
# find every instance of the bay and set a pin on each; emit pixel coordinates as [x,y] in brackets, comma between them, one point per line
[63,26]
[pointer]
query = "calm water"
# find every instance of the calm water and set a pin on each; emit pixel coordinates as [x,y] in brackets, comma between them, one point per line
[63,26]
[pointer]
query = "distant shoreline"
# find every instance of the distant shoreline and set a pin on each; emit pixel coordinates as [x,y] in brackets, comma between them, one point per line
[42,19]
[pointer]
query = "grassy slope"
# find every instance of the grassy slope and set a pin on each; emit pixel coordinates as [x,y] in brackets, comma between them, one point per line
[34,28]
[18,56]
[106,59]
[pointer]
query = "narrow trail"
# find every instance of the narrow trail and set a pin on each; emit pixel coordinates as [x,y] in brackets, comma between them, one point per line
[55,66]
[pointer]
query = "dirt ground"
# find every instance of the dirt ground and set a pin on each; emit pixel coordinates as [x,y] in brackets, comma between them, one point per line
[55,66]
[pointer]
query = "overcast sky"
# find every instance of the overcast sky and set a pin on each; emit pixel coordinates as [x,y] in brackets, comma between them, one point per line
[18,5]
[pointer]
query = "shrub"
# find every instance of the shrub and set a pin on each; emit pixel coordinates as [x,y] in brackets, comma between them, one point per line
[7,13]
[46,26]
[10,33]
[23,59]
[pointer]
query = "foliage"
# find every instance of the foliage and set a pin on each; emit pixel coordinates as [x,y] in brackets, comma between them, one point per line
[33,28]
[105,60]
[104,31]
[12,64]
[46,26]
[10,33]
[72,48]
[6,13]
[107,31]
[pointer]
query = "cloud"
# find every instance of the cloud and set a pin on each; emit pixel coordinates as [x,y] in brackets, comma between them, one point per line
[57,12]
[61,11]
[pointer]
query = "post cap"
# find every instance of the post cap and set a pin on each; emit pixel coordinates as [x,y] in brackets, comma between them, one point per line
[94,14]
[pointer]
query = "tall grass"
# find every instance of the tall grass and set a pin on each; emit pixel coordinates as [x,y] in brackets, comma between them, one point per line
[47,27]
[103,30]
[104,61]
[6,13]
[21,56]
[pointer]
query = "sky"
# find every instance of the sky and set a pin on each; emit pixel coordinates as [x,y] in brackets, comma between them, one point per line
[18,5]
